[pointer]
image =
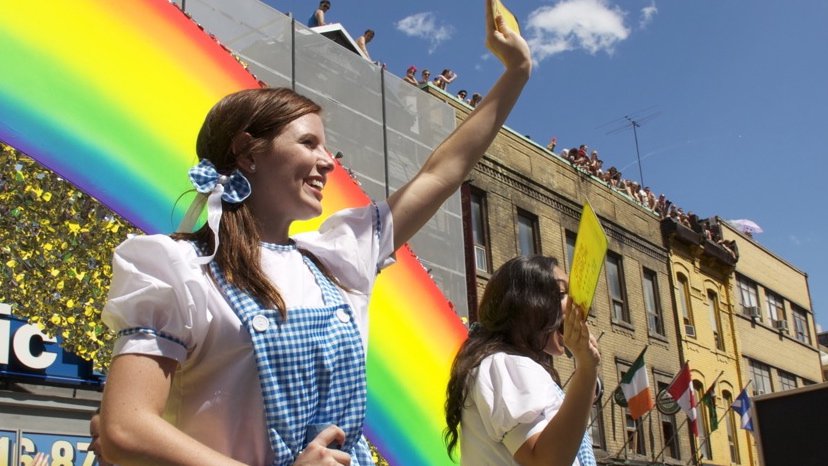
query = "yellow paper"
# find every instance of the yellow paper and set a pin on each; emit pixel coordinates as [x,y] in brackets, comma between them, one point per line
[590,251]
[508,17]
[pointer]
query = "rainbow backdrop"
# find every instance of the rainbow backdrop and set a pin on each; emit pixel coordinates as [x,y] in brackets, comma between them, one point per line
[111,96]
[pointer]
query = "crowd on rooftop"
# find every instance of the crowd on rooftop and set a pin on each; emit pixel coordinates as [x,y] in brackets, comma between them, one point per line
[579,157]
[592,165]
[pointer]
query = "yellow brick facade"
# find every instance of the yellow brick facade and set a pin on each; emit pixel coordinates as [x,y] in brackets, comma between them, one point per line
[707,342]
[762,347]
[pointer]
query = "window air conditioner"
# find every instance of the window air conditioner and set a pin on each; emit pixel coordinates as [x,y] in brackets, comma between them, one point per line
[781,325]
[751,311]
[690,330]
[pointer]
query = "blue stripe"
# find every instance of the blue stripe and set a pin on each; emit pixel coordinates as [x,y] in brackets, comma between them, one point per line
[151,331]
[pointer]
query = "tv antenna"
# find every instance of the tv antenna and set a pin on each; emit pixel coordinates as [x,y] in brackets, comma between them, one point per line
[633,120]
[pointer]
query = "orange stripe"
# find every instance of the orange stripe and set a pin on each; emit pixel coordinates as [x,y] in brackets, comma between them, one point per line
[641,403]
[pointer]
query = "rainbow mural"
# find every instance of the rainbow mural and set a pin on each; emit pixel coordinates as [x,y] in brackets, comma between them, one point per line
[111,96]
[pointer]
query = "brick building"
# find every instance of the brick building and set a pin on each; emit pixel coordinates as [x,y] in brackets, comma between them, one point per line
[522,199]
[774,323]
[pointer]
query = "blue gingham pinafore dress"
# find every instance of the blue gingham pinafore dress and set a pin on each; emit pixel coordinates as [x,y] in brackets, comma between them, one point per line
[585,455]
[311,367]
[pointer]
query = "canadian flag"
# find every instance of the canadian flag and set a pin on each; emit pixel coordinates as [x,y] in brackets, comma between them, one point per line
[681,390]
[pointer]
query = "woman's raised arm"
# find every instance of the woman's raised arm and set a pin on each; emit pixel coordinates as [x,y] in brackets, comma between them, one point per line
[452,161]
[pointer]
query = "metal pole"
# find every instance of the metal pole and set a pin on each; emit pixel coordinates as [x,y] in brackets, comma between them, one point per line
[637,153]
[293,53]
[636,432]
[667,443]
[384,132]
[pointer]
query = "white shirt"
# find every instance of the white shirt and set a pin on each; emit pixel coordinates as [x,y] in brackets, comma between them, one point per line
[510,398]
[157,286]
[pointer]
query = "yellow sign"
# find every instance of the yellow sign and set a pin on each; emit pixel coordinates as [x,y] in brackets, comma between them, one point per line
[590,251]
[508,17]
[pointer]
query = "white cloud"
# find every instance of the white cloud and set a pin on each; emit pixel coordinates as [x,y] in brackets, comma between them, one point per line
[647,14]
[424,25]
[795,240]
[591,25]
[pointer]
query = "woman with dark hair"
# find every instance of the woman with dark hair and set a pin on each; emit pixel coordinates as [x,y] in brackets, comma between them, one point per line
[240,344]
[504,402]
[445,78]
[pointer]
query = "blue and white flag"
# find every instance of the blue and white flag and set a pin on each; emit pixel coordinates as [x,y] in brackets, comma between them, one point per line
[742,406]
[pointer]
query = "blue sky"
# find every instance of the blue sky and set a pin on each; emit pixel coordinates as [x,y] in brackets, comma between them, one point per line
[739,90]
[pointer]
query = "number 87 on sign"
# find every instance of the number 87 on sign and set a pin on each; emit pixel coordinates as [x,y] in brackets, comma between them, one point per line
[63,450]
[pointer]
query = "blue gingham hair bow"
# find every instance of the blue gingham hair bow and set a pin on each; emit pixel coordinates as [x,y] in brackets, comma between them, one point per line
[205,177]
[212,189]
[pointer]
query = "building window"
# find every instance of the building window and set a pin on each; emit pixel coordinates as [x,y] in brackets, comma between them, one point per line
[683,298]
[635,435]
[528,238]
[615,279]
[597,419]
[479,236]
[760,375]
[748,295]
[655,320]
[732,440]
[787,381]
[669,432]
[776,307]
[570,249]
[704,423]
[801,329]
[715,319]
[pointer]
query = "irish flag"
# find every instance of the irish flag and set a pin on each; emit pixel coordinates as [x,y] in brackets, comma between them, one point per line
[681,389]
[636,388]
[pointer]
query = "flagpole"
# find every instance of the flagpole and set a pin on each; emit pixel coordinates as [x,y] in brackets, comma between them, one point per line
[624,447]
[609,398]
[667,443]
[611,394]
[675,434]
[696,455]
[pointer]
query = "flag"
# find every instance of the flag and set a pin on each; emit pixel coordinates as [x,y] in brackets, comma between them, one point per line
[636,388]
[681,390]
[709,400]
[742,406]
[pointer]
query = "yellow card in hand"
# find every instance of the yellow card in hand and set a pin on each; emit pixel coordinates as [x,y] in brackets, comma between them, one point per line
[508,17]
[590,251]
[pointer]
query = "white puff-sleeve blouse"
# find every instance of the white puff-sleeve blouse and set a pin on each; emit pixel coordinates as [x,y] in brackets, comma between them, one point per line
[510,399]
[163,303]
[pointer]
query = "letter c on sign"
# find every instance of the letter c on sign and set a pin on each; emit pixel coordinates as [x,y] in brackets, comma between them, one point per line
[22,348]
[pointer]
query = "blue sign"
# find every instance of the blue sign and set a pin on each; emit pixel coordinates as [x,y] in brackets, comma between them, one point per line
[28,355]
[8,445]
[63,450]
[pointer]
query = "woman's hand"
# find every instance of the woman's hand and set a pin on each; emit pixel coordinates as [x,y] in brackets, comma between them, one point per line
[317,452]
[506,44]
[577,337]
